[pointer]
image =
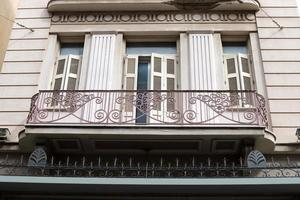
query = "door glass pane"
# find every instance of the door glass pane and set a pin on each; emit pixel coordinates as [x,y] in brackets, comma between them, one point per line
[74,66]
[142,82]
[60,67]
[245,65]
[141,101]
[131,66]
[57,84]
[157,64]
[247,83]
[231,66]
[71,83]
[170,66]
[233,83]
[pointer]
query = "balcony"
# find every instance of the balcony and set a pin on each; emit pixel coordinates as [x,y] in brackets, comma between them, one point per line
[149,108]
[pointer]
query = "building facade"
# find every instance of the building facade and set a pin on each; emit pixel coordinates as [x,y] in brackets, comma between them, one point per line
[151,99]
[8,11]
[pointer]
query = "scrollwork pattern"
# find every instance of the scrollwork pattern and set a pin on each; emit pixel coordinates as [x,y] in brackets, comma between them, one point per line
[161,107]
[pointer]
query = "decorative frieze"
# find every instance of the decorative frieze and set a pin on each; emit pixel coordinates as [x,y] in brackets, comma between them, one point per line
[157,17]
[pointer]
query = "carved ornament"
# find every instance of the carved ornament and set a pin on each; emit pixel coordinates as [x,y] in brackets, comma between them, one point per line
[153,17]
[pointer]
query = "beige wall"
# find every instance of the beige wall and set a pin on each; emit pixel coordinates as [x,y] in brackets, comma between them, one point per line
[280,55]
[281,60]
[7,9]
[21,67]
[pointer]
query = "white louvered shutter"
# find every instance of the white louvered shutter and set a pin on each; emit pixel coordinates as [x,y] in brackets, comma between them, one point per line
[130,83]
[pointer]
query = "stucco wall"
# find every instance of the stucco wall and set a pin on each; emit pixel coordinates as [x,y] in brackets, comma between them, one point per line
[281,59]
[7,10]
[21,67]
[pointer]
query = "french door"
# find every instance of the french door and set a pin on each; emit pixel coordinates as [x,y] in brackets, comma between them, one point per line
[151,72]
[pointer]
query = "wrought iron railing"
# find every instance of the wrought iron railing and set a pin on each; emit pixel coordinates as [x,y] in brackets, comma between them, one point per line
[148,167]
[123,107]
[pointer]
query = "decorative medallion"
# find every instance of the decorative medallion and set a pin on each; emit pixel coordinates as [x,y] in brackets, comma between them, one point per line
[38,158]
[256,160]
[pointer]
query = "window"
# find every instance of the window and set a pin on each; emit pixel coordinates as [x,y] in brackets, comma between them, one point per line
[150,66]
[237,66]
[68,66]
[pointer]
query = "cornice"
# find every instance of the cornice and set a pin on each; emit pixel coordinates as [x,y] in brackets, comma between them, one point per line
[150,5]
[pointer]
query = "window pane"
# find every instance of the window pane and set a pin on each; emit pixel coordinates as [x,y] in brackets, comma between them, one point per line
[131,66]
[130,83]
[71,48]
[157,64]
[231,66]
[60,67]
[157,83]
[71,83]
[233,83]
[57,84]
[245,65]
[74,66]
[170,66]
[170,84]
[247,83]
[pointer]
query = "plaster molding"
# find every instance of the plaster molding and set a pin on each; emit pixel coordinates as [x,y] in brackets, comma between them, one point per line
[153,17]
[148,5]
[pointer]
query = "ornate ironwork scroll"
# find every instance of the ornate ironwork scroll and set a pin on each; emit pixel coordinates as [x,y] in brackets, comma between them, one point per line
[158,107]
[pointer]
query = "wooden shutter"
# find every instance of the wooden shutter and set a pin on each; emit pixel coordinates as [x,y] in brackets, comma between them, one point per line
[59,77]
[72,71]
[101,62]
[202,65]
[245,72]
[157,77]
[232,72]
[130,83]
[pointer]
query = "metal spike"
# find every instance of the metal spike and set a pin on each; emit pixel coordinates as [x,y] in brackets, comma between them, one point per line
[21,160]
[130,162]
[193,162]
[115,161]
[68,159]
[83,161]
[52,160]
[99,161]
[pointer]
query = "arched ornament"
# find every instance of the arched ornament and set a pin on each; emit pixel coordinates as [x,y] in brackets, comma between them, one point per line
[256,160]
[38,158]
